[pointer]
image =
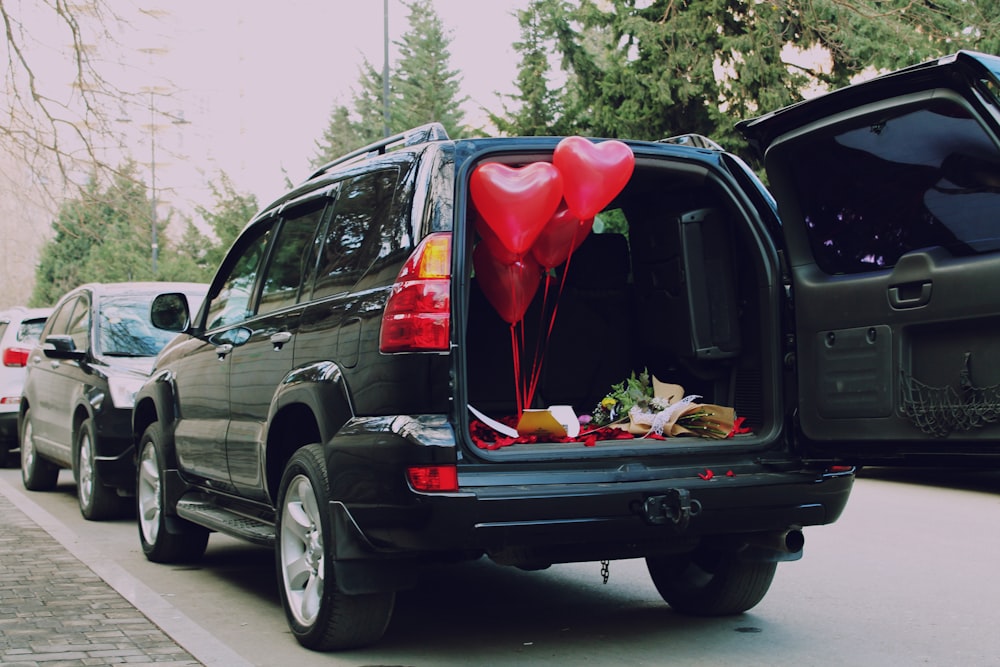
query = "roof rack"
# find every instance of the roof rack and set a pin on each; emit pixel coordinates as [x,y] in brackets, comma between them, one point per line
[694,140]
[417,135]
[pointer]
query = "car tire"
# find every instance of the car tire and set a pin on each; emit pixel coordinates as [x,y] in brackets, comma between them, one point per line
[164,538]
[37,474]
[710,583]
[97,501]
[321,616]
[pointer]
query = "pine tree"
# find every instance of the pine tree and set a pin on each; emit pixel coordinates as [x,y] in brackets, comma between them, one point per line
[424,88]
[538,106]
[652,69]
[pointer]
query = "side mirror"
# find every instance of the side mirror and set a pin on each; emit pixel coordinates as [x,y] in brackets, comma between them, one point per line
[170,312]
[62,347]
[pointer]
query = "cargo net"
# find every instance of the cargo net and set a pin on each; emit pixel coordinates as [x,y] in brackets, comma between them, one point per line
[939,411]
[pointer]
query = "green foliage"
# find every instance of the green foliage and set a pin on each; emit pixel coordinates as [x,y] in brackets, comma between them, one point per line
[105,235]
[614,407]
[422,89]
[651,69]
[230,214]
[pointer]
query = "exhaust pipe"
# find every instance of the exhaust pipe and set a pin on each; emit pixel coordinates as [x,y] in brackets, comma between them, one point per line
[779,546]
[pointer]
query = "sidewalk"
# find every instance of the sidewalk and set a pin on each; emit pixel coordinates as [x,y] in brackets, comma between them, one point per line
[61,605]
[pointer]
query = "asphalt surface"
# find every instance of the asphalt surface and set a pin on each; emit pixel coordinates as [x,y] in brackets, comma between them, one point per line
[62,605]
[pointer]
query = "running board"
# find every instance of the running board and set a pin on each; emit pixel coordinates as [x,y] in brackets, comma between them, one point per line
[221,519]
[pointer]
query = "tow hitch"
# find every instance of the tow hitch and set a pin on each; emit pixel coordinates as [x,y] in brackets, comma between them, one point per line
[674,507]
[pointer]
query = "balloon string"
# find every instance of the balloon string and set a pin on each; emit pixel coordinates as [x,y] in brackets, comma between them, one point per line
[536,368]
[515,355]
[536,361]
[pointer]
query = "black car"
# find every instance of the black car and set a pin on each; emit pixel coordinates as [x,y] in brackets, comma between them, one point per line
[96,350]
[362,388]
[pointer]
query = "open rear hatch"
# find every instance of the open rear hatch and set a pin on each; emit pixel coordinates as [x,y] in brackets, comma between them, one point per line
[672,293]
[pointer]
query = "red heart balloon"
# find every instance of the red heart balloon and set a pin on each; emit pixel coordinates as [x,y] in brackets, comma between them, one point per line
[593,174]
[516,202]
[562,235]
[492,241]
[508,287]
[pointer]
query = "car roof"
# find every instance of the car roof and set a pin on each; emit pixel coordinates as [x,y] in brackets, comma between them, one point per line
[24,313]
[149,287]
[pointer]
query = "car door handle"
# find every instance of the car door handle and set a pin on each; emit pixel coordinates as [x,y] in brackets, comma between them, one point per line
[223,350]
[280,338]
[910,295]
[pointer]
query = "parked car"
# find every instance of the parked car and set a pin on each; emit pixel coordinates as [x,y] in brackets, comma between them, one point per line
[346,392]
[95,351]
[19,331]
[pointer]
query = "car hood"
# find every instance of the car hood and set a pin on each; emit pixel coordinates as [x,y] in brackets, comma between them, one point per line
[967,72]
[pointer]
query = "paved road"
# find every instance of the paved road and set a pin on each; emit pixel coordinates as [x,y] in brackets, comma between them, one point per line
[906,577]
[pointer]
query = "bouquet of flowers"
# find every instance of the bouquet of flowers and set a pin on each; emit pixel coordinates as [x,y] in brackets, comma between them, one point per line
[643,405]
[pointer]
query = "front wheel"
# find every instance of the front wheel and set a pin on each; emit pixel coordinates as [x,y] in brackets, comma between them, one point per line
[97,501]
[164,539]
[710,583]
[320,615]
[37,474]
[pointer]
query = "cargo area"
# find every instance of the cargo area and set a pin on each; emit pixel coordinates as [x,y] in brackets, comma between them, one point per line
[673,280]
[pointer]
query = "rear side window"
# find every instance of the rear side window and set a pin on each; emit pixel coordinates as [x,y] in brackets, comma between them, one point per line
[353,238]
[913,177]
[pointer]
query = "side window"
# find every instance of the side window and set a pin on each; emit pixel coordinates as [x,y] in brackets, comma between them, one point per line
[913,177]
[59,320]
[352,239]
[291,257]
[232,302]
[79,324]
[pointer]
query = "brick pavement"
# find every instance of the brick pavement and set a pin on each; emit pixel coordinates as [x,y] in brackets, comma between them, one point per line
[55,611]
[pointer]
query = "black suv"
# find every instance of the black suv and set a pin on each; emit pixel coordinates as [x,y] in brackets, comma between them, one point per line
[348,393]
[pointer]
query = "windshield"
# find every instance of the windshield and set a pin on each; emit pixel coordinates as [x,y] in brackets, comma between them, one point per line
[124,329]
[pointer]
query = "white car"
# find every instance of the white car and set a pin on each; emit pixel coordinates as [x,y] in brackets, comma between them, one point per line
[19,330]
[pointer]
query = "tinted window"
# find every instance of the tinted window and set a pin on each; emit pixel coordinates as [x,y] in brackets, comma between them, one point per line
[290,257]
[353,240]
[124,330]
[232,303]
[59,321]
[877,188]
[78,326]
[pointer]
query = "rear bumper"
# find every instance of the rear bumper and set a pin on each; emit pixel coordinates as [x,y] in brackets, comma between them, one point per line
[583,522]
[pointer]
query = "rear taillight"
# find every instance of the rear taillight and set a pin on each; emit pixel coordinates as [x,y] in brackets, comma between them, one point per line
[417,315]
[433,479]
[15,357]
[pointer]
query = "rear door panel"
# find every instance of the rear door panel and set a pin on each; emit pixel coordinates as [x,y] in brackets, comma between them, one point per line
[890,200]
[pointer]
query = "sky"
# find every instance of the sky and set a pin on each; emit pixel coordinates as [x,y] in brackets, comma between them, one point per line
[255,81]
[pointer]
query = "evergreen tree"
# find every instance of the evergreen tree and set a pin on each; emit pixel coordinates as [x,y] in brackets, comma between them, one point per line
[652,69]
[424,88]
[538,109]
[104,235]
[231,212]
